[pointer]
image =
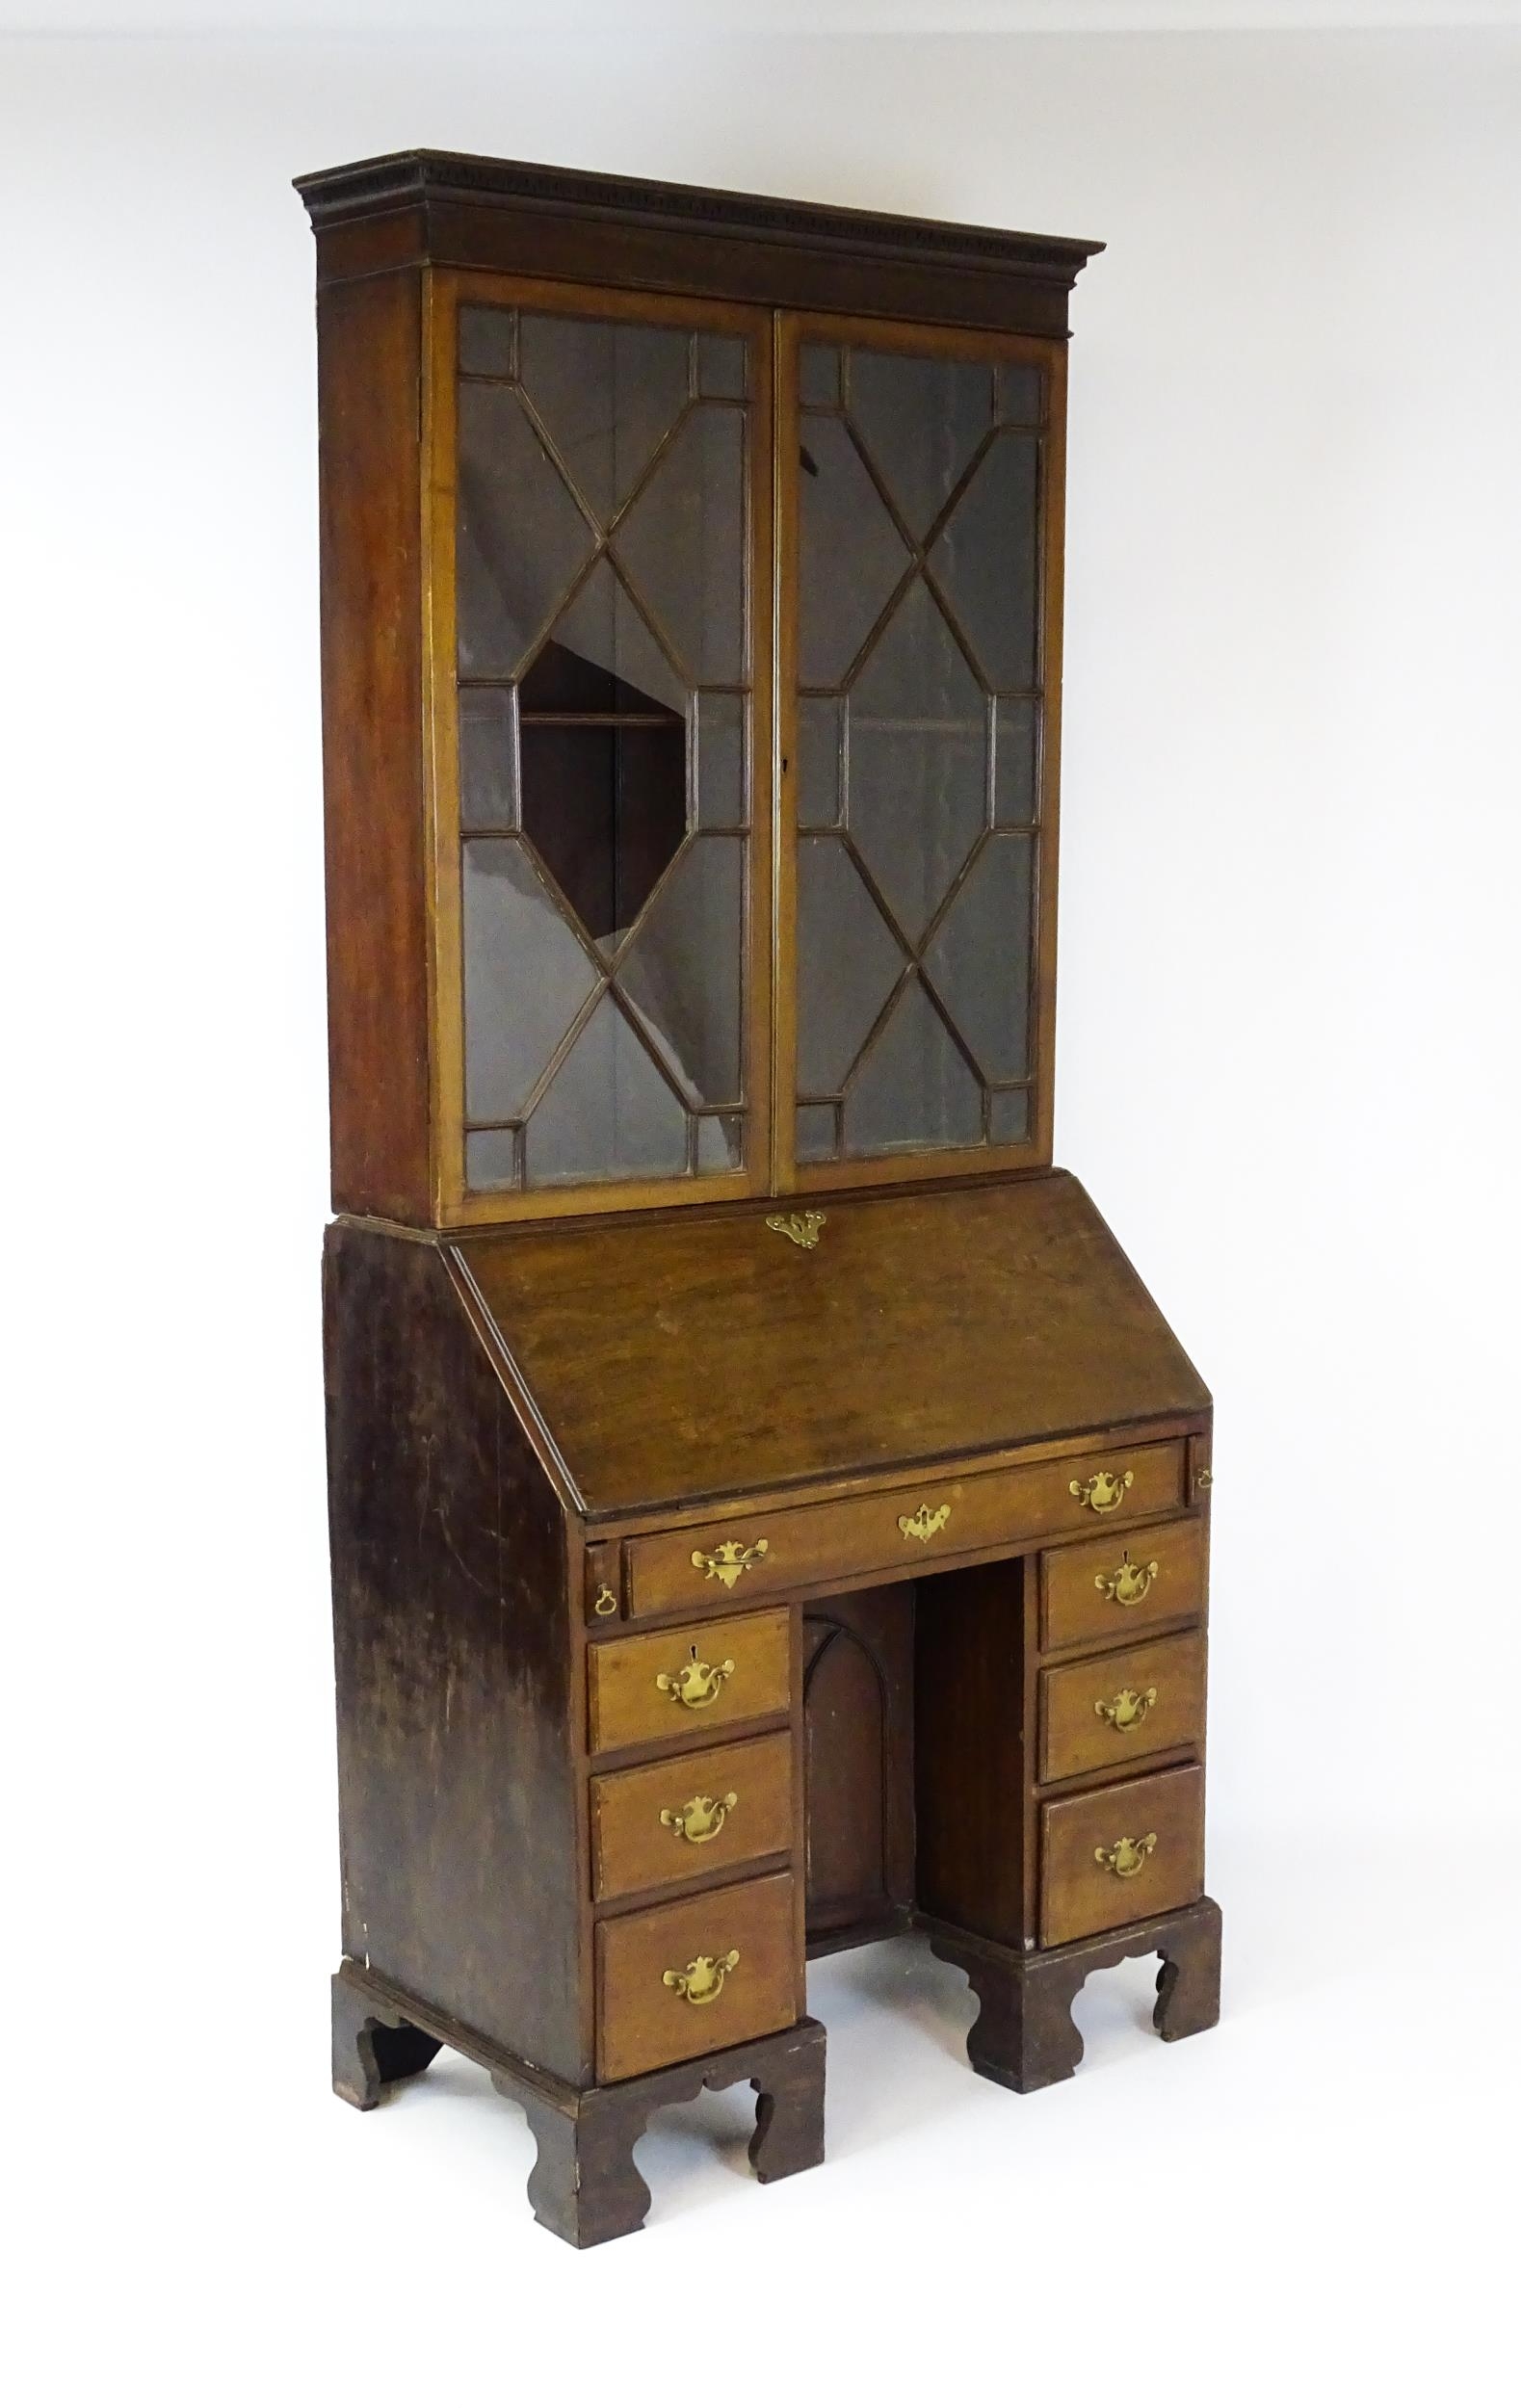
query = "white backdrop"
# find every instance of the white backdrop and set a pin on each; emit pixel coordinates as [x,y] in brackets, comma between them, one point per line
[1286,1072]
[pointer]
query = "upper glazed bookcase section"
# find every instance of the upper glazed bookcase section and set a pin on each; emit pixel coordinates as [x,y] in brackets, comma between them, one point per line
[451,210]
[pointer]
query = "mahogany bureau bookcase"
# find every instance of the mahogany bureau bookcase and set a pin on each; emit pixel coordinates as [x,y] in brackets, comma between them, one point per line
[768,1512]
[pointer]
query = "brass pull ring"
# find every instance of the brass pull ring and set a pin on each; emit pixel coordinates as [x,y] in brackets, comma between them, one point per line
[924,1524]
[1128,1582]
[1127,1857]
[697,1684]
[700,1819]
[605,1601]
[728,1562]
[1103,1492]
[1127,1710]
[703,1979]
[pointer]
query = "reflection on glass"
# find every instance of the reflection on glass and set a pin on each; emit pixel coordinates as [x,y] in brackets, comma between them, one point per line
[608,1113]
[682,538]
[720,367]
[819,722]
[1015,793]
[851,554]
[488,758]
[921,421]
[848,964]
[681,973]
[1008,1116]
[524,977]
[490,1159]
[978,958]
[521,538]
[605,394]
[488,342]
[817,1136]
[914,1089]
[918,793]
[723,786]
[986,565]
[720,1142]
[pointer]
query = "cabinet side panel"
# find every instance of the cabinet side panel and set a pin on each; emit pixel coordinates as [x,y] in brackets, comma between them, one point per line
[460,1863]
[369,363]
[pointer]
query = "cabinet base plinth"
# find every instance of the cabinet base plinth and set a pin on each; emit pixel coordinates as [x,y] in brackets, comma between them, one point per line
[584,2185]
[1024,2035]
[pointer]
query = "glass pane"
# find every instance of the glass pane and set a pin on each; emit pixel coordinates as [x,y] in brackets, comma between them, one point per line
[488,342]
[682,971]
[852,554]
[818,1140]
[1021,396]
[723,794]
[1008,1116]
[1017,799]
[490,1159]
[921,421]
[818,376]
[521,538]
[917,799]
[986,561]
[848,961]
[980,957]
[488,758]
[604,758]
[720,1142]
[607,394]
[818,763]
[608,1113]
[720,367]
[524,977]
[914,1089]
[683,546]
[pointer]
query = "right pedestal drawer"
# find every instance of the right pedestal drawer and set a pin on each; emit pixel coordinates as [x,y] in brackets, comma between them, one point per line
[1109,1587]
[1119,1854]
[1097,1715]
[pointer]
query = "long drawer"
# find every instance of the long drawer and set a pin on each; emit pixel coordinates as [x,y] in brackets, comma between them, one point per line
[690,1817]
[704,1974]
[1098,1713]
[1119,1854]
[771,1555]
[669,1685]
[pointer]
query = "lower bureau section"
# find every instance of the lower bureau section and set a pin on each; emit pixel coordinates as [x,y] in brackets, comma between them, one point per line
[1116,1855]
[678,1981]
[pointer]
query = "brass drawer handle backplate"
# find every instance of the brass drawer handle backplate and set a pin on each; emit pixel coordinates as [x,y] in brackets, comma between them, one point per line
[1128,1582]
[728,1562]
[700,1819]
[703,1979]
[1127,1710]
[697,1684]
[1127,1857]
[1103,1492]
[803,1228]
[924,1524]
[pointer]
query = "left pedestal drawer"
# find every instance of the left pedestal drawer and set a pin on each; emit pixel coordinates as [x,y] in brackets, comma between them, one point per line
[678,1685]
[684,1980]
[692,1816]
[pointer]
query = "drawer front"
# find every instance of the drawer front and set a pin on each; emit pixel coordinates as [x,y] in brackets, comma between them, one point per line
[1105,1591]
[1116,1855]
[902,1529]
[677,1684]
[679,1981]
[690,1817]
[1103,1710]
